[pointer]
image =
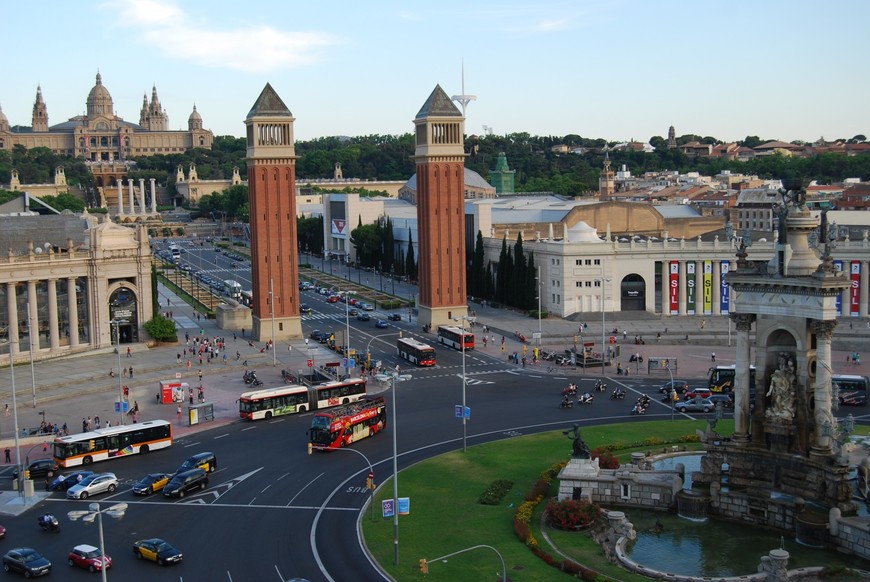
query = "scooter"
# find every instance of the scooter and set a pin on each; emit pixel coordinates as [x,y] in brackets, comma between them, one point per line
[566,403]
[48,522]
[250,377]
[617,394]
[600,386]
[571,390]
[585,398]
[638,409]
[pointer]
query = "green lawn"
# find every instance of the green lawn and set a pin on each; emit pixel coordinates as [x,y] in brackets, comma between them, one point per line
[445,516]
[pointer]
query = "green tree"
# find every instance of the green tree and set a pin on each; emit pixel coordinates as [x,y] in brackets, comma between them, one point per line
[410,263]
[161,329]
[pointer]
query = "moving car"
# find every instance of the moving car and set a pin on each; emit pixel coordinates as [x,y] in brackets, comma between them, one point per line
[93,485]
[394,317]
[185,481]
[353,311]
[27,561]
[157,550]
[304,308]
[332,299]
[319,336]
[381,324]
[681,386]
[206,461]
[151,483]
[363,317]
[64,482]
[39,468]
[695,405]
[696,392]
[367,306]
[724,400]
[89,558]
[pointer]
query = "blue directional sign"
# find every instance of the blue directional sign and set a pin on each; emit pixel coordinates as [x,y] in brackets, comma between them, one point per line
[344,362]
[351,363]
[387,508]
[404,505]
[122,407]
[458,412]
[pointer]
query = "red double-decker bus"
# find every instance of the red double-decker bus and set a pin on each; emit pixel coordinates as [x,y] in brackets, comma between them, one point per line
[455,337]
[343,425]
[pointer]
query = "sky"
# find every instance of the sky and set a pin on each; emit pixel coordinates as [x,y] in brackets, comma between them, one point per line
[612,69]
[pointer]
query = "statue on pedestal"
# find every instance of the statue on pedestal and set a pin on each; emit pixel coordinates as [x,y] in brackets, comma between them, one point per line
[782,391]
[580,449]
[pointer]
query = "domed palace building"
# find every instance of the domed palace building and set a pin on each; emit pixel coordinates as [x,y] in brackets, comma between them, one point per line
[102,138]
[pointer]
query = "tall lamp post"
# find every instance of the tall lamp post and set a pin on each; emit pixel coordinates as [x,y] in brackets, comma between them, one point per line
[272,305]
[540,289]
[120,385]
[603,281]
[346,335]
[463,319]
[32,372]
[95,513]
[15,423]
[396,378]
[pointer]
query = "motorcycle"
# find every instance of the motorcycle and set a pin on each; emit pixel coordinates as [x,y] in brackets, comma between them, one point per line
[566,403]
[600,386]
[617,394]
[250,377]
[585,398]
[256,382]
[48,522]
[638,409]
[571,390]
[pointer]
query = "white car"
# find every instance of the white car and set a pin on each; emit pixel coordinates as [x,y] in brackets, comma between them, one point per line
[100,483]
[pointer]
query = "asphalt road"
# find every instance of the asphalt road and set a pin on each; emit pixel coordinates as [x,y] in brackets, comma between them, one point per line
[272,512]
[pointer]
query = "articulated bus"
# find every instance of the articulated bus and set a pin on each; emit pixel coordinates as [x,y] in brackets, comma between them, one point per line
[246,298]
[339,427]
[298,398]
[721,379]
[850,389]
[455,337]
[416,352]
[112,443]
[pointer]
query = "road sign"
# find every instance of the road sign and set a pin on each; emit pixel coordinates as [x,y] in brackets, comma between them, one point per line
[310,363]
[457,411]
[351,363]
[177,375]
[387,508]
[404,505]
[344,362]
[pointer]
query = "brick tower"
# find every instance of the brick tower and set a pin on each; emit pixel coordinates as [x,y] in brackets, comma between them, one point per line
[440,160]
[271,159]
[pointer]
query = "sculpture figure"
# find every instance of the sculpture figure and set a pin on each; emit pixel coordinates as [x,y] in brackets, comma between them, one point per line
[580,448]
[782,391]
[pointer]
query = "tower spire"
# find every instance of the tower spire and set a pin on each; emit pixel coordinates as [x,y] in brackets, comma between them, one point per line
[464,99]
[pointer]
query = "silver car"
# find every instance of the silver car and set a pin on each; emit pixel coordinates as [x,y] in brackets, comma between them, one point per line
[100,483]
[695,405]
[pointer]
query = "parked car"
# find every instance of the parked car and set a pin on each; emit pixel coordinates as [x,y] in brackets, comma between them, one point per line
[157,550]
[394,317]
[332,299]
[64,482]
[725,400]
[93,485]
[696,392]
[27,561]
[681,386]
[89,557]
[695,405]
[151,483]
[186,481]
[319,336]
[38,468]
[381,324]
[363,317]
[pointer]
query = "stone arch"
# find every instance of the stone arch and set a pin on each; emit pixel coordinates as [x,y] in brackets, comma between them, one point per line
[632,293]
[124,309]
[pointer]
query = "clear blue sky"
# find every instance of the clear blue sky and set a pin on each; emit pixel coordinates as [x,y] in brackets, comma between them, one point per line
[616,69]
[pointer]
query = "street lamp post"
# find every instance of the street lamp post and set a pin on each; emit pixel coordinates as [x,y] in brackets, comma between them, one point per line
[463,319]
[32,372]
[540,289]
[673,388]
[346,335]
[120,384]
[272,305]
[603,281]
[95,513]
[15,423]
[396,378]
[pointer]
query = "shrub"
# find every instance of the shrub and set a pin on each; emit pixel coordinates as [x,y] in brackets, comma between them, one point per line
[606,458]
[534,313]
[495,492]
[161,329]
[570,514]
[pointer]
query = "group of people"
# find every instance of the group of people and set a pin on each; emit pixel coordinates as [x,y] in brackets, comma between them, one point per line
[204,348]
[854,358]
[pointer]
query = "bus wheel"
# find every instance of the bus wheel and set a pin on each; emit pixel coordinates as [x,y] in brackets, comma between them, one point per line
[144,449]
[302,409]
[268,415]
[87,461]
[346,401]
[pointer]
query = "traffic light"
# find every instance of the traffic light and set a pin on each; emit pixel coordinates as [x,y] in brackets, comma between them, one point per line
[424,566]
[401,333]
[370,480]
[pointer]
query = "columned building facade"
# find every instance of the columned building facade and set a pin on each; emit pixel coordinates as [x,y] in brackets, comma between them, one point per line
[271,160]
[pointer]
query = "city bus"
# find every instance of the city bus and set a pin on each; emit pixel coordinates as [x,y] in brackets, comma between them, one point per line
[850,389]
[112,443]
[295,398]
[416,352]
[339,427]
[721,379]
[246,298]
[455,337]
[176,253]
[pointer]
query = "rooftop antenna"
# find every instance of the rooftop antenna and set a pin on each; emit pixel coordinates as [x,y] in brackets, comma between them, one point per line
[464,99]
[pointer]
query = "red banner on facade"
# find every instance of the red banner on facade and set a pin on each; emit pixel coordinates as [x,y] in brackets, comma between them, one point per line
[855,303]
[674,288]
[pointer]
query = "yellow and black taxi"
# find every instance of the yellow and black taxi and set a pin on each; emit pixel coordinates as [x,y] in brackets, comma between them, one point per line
[157,550]
[151,483]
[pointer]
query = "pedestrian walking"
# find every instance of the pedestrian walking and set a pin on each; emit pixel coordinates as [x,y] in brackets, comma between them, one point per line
[8,455]
[96,422]
[131,372]
[124,373]
[703,323]
[178,412]
[200,375]
[44,447]
[129,352]
[712,356]
[234,336]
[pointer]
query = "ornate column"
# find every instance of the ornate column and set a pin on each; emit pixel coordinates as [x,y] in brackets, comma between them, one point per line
[743,322]
[72,298]
[12,310]
[823,417]
[142,197]
[717,287]
[153,197]
[120,199]
[53,331]
[132,200]
[666,288]
[33,328]
[682,299]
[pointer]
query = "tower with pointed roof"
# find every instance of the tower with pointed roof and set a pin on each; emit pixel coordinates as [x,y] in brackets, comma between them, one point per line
[672,138]
[271,159]
[40,113]
[502,177]
[606,184]
[439,156]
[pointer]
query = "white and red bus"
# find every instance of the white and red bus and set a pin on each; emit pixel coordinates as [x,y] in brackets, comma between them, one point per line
[415,352]
[295,398]
[343,425]
[455,337]
[112,443]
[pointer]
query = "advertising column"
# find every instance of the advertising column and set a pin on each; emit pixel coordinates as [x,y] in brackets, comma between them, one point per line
[708,287]
[691,286]
[724,299]
[674,287]
[855,293]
